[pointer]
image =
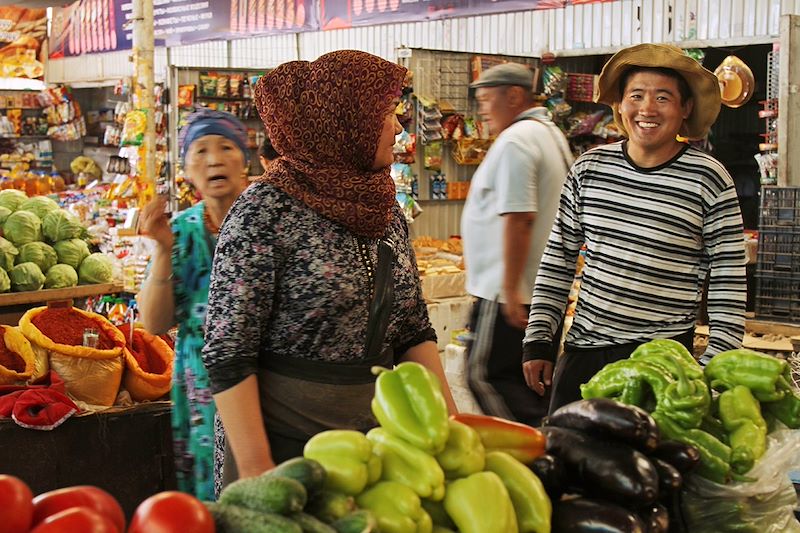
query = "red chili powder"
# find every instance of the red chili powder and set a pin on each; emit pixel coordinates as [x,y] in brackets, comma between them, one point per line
[64,325]
[10,360]
[145,354]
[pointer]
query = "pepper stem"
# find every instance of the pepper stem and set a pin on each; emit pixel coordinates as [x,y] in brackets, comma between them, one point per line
[378,370]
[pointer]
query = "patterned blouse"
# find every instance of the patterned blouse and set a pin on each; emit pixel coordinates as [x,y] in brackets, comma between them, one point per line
[288,281]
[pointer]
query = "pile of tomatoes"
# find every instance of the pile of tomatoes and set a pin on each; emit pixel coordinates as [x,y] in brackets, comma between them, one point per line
[86,509]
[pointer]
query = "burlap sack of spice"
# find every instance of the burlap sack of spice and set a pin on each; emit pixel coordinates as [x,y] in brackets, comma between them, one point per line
[17,360]
[91,375]
[148,365]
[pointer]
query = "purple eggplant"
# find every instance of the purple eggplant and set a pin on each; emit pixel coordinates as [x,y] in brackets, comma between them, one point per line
[655,518]
[682,456]
[582,515]
[607,469]
[609,419]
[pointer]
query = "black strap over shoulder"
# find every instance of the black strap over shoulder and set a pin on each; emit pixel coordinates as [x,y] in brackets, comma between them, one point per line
[357,371]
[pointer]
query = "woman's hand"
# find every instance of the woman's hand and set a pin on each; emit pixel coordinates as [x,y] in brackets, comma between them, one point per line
[154,223]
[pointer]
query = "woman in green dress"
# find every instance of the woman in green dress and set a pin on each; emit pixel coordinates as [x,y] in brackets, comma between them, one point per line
[213,147]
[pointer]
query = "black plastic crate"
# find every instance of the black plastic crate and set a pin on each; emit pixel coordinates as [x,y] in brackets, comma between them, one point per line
[780,206]
[779,252]
[778,297]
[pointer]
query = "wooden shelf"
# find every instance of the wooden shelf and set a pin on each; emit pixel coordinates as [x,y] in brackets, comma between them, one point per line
[48,295]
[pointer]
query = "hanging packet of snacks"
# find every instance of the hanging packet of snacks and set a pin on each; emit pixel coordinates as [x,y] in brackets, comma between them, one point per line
[134,128]
[433,156]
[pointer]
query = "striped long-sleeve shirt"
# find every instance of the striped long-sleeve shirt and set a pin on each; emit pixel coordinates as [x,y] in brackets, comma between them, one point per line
[651,236]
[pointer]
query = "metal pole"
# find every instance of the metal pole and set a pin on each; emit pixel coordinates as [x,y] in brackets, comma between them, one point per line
[144,85]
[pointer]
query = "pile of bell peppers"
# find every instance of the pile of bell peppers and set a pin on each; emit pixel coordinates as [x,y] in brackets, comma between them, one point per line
[720,409]
[423,471]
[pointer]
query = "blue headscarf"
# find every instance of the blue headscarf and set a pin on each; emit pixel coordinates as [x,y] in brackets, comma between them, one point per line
[208,122]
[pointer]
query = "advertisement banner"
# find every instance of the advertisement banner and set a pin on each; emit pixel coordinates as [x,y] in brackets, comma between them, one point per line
[92,26]
[335,14]
[22,32]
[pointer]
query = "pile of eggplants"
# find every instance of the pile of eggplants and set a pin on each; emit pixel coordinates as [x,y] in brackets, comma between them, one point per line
[606,469]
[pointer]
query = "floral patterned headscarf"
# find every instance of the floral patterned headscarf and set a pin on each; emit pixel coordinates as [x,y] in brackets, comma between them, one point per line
[325,119]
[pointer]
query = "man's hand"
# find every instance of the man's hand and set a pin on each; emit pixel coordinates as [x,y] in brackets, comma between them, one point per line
[514,312]
[538,375]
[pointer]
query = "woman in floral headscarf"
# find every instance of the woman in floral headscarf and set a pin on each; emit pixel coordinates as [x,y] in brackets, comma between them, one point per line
[315,280]
[213,149]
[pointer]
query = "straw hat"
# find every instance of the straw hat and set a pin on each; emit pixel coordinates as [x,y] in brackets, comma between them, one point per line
[702,83]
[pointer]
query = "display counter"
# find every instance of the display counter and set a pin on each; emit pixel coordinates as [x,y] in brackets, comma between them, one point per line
[126,451]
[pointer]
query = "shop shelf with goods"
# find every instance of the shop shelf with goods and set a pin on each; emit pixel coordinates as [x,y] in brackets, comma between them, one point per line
[450,139]
[223,89]
[24,144]
[768,158]
[778,268]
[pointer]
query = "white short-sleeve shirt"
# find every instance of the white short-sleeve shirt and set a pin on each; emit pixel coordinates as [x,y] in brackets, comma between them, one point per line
[523,172]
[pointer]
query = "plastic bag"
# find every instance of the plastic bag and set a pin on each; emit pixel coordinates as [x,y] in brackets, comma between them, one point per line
[764,505]
[91,375]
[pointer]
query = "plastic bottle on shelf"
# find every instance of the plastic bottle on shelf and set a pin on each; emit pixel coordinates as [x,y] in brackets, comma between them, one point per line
[44,186]
[58,182]
[31,184]
[116,314]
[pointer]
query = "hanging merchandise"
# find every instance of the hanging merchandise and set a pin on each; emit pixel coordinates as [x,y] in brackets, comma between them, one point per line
[736,82]
[134,127]
[66,123]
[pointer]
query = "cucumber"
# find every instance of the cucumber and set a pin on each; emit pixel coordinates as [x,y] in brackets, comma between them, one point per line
[330,505]
[267,494]
[236,519]
[311,524]
[307,471]
[360,521]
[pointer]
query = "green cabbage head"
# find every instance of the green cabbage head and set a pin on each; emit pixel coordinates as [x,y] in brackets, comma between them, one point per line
[38,252]
[22,227]
[4,212]
[71,252]
[8,254]
[39,205]
[97,268]
[60,277]
[59,225]
[26,277]
[5,281]
[12,198]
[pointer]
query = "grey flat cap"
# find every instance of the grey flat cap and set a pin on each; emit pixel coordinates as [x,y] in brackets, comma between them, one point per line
[505,74]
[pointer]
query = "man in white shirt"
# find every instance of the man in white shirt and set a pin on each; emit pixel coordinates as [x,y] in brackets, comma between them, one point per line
[506,222]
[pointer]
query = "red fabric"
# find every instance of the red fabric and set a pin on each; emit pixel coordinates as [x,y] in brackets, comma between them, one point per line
[325,119]
[43,405]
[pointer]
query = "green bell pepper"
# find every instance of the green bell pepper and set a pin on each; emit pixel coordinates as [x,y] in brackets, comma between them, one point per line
[347,457]
[396,508]
[408,465]
[787,409]
[740,413]
[767,377]
[670,353]
[715,456]
[480,503]
[531,503]
[409,404]
[614,378]
[463,453]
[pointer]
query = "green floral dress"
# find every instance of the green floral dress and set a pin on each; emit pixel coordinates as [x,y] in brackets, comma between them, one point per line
[193,407]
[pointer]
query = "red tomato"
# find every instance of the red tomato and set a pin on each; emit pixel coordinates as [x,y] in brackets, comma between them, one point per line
[76,520]
[93,498]
[16,506]
[172,512]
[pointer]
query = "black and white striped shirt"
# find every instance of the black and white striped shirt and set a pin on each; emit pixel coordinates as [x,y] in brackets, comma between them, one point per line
[651,236]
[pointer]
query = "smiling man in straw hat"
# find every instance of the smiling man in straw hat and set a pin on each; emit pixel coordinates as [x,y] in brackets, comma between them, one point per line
[656,215]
